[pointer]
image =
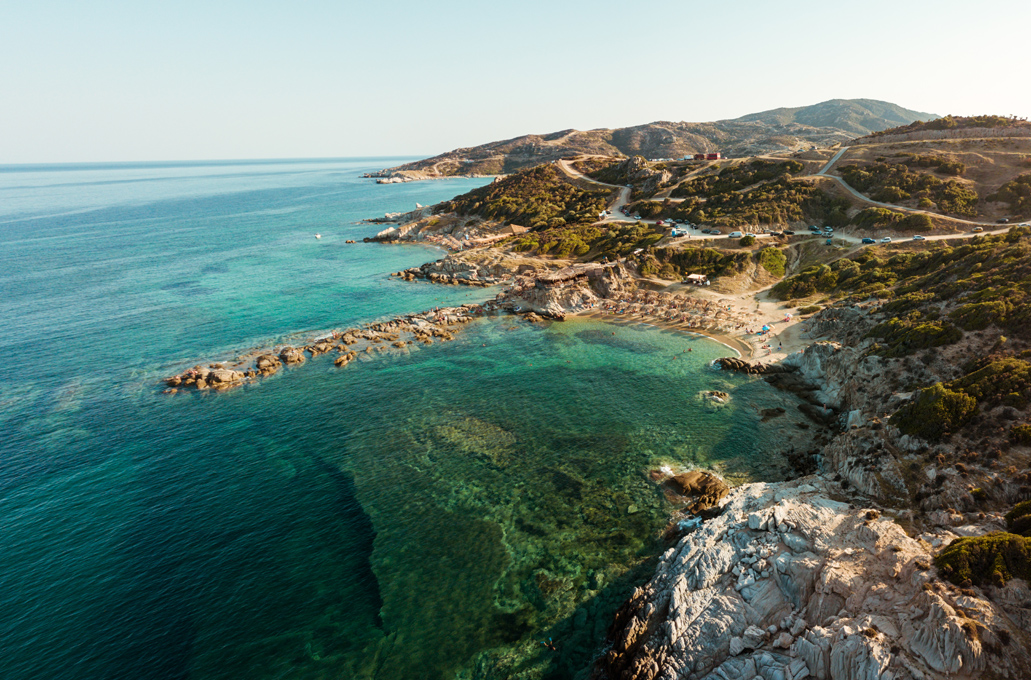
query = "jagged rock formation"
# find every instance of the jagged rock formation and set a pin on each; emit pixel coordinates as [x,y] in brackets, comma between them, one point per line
[788,583]
[553,293]
[452,269]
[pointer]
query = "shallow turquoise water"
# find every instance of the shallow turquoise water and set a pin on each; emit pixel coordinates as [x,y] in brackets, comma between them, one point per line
[429,513]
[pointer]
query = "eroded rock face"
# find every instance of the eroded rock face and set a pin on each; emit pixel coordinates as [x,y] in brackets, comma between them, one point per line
[703,490]
[787,583]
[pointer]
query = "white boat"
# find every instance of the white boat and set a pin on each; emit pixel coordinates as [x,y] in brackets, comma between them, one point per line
[318,235]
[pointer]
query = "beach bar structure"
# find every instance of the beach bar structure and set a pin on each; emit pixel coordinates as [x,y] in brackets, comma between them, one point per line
[697,279]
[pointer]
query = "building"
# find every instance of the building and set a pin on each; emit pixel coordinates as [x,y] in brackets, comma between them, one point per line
[513,230]
[697,279]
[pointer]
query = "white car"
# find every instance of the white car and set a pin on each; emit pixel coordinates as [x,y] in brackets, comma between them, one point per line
[918,237]
[735,234]
[886,239]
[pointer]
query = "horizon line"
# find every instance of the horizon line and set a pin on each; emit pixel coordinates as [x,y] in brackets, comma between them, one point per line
[201,161]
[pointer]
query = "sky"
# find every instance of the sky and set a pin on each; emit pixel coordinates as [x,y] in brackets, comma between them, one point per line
[111,80]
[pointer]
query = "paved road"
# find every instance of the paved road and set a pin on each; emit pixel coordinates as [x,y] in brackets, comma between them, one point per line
[833,160]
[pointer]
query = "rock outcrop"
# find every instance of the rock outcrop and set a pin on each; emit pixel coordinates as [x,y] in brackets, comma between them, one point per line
[553,293]
[456,270]
[788,583]
[399,333]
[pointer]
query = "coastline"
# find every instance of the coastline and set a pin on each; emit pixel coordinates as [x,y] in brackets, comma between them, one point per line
[742,349]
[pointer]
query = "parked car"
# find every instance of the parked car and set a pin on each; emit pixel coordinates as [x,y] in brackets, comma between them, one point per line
[788,233]
[977,230]
[829,242]
[918,237]
[814,228]
[706,231]
[637,217]
[735,234]
[886,239]
[1004,220]
[828,230]
[776,233]
[715,232]
[660,223]
[869,240]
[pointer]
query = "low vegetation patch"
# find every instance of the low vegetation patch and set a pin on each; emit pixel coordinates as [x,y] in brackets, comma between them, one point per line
[780,201]
[772,260]
[991,559]
[673,263]
[1017,194]
[894,183]
[985,280]
[538,198]
[876,218]
[955,123]
[737,177]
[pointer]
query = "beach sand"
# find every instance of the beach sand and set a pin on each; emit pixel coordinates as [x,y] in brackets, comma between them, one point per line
[737,315]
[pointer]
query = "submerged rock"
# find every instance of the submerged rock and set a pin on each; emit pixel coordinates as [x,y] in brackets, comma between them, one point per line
[701,490]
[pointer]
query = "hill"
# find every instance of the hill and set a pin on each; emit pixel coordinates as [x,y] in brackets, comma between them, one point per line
[857,116]
[824,124]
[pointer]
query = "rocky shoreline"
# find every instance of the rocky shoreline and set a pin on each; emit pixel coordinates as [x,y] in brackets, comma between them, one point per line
[792,581]
[439,324]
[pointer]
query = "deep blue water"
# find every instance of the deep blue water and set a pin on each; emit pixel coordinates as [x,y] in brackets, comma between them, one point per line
[427,514]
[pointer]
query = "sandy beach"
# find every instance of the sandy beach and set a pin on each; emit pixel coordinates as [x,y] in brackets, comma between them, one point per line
[735,321]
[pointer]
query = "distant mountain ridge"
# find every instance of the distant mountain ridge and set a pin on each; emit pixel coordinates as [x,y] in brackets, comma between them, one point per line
[823,124]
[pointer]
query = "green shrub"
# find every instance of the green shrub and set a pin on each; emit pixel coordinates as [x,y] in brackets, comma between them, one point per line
[905,336]
[747,240]
[1017,194]
[934,412]
[809,309]
[1021,434]
[893,182]
[997,382]
[991,559]
[1018,520]
[772,260]
[539,198]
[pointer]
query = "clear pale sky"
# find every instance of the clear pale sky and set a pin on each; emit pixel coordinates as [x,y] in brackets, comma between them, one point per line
[117,81]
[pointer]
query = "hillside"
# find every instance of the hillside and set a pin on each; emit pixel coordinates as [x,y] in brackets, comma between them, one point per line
[824,124]
[856,116]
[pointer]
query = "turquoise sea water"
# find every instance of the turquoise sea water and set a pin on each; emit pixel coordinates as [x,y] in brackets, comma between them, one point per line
[431,513]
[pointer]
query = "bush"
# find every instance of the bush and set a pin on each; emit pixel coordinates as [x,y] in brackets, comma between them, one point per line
[539,198]
[934,412]
[747,240]
[809,309]
[1021,434]
[893,182]
[991,559]
[772,260]
[1017,194]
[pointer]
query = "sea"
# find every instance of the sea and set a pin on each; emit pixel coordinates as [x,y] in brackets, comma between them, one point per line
[433,512]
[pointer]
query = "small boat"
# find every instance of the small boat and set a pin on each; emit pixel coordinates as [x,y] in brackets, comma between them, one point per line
[318,235]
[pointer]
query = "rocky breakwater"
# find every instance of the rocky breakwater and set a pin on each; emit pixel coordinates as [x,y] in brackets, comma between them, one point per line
[788,583]
[455,270]
[554,293]
[350,344]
